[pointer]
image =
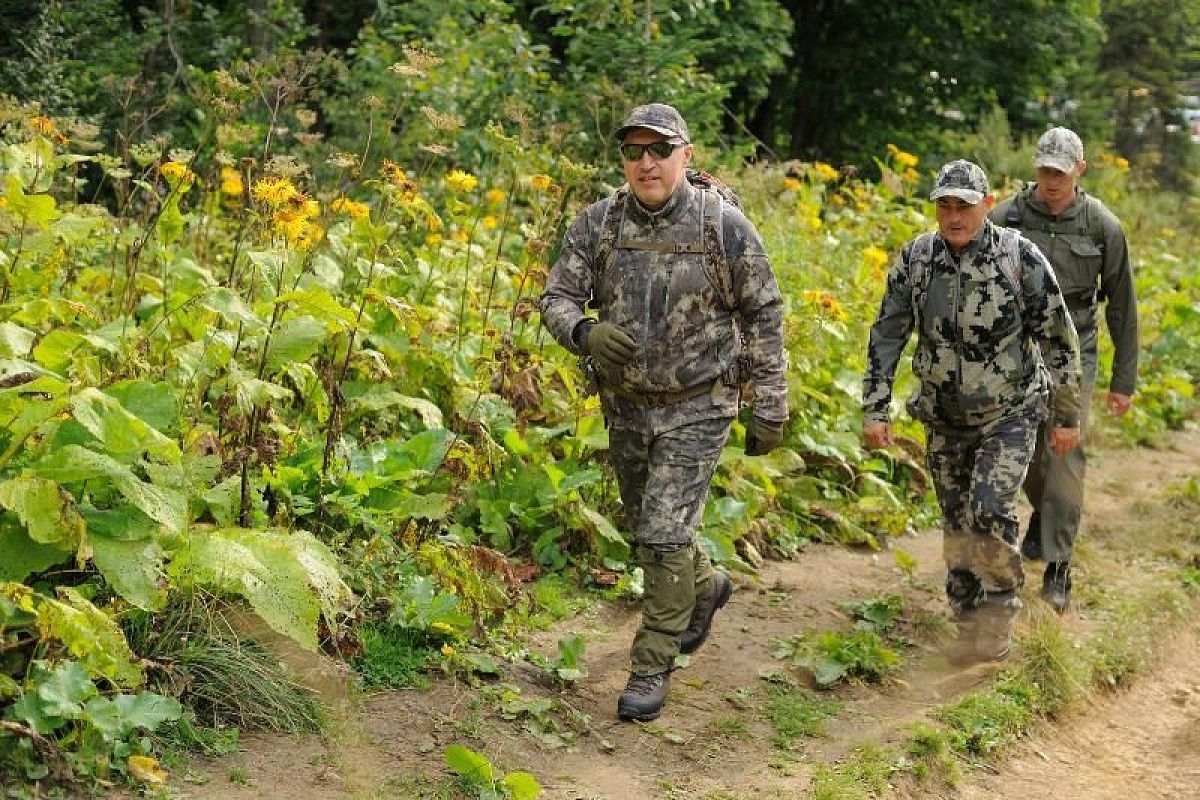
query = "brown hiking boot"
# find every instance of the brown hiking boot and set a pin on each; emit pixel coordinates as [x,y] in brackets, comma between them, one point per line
[644,697]
[993,633]
[1056,585]
[962,649]
[720,589]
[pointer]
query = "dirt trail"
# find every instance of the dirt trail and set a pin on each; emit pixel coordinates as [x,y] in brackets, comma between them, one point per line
[713,740]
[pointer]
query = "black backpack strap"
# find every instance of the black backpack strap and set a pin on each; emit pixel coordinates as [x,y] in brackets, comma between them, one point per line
[1012,217]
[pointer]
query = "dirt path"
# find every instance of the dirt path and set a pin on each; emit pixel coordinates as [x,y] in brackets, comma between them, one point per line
[714,740]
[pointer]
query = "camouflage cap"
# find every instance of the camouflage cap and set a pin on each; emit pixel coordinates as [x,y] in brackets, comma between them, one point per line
[1060,149]
[961,179]
[658,117]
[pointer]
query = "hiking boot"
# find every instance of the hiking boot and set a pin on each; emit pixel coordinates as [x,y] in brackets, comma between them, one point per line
[993,632]
[1056,585]
[720,589]
[962,650]
[1031,545]
[644,697]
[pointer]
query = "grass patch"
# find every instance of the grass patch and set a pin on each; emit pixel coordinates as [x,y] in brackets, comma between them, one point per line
[226,678]
[929,755]
[793,714]
[1050,662]
[832,656]
[392,657]
[553,598]
[863,776]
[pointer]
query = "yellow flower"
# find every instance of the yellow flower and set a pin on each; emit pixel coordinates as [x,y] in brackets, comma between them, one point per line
[494,197]
[462,181]
[42,125]
[274,191]
[3,202]
[875,258]
[490,222]
[1168,233]
[827,302]
[447,650]
[350,207]
[541,182]
[177,173]
[146,770]
[824,172]
[905,160]
[433,239]
[459,235]
[791,184]
[231,182]
[393,173]
[1121,163]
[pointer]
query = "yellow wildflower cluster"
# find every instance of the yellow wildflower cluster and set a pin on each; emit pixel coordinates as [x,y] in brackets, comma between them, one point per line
[875,258]
[824,172]
[462,181]
[809,215]
[541,182]
[177,174]
[1119,162]
[298,226]
[352,208]
[275,191]
[791,184]
[490,222]
[43,125]
[231,182]
[902,159]
[494,197]
[827,303]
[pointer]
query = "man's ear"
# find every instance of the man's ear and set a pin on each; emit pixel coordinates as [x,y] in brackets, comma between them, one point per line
[989,200]
[1080,168]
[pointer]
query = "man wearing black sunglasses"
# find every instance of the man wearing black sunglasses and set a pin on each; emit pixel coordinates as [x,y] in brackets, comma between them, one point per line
[686,308]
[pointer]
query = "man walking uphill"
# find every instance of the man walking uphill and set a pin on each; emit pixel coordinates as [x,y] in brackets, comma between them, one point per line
[1086,246]
[685,304]
[983,301]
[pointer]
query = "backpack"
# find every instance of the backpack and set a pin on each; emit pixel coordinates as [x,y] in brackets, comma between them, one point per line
[714,196]
[1088,222]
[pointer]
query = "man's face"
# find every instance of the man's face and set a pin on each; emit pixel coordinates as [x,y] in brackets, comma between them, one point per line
[651,178]
[1056,188]
[960,221]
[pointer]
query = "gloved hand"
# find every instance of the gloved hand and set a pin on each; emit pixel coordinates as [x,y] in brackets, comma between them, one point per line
[763,436]
[609,345]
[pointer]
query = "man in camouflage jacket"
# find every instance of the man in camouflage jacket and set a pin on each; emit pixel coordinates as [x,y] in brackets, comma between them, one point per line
[1086,245]
[983,301]
[686,307]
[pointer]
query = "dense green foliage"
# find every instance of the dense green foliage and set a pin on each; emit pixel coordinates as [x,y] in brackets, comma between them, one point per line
[268,334]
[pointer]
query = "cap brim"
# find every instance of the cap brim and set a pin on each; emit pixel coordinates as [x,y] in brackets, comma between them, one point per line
[1062,164]
[619,133]
[966,195]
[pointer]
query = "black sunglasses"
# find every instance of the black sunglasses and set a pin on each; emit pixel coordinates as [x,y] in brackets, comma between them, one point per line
[658,150]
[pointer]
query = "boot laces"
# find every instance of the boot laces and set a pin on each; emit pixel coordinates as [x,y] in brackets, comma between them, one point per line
[644,684]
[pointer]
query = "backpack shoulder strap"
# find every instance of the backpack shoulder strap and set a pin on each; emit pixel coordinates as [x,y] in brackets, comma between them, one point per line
[716,261]
[1012,217]
[920,269]
[1011,264]
[1091,221]
[610,230]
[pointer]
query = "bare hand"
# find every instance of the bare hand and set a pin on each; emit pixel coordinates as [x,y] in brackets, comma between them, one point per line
[1119,404]
[877,435]
[1064,440]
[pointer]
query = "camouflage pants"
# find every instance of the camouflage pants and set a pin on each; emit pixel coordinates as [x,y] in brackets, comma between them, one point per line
[1054,485]
[977,472]
[664,482]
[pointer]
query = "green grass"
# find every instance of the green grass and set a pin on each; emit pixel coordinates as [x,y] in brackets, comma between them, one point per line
[554,598]
[861,777]
[392,658]
[793,714]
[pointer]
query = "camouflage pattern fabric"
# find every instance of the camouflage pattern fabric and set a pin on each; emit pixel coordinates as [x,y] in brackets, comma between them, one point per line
[1087,247]
[664,478]
[668,303]
[977,472]
[976,355]
[672,581]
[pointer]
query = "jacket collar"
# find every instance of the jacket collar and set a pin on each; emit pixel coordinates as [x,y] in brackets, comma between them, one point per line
[677,206]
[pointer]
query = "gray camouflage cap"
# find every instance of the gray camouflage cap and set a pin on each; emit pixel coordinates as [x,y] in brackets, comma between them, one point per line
[1060,149]
[658,117]
[961,179]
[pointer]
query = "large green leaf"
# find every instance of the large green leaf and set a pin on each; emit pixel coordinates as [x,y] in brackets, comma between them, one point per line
[15,341]
[74,463]
[123,434]
[124,714]
[57,349]
[322,305]
[64,691]
[522,786]
[296,339]
[89,635]
[472,766]
[157,404]
[289,579]
[22,555]
[45,509]
[133,569]
[229,305]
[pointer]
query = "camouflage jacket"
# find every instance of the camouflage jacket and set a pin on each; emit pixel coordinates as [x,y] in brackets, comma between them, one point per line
[977,344]
[667,301]
[1087,248]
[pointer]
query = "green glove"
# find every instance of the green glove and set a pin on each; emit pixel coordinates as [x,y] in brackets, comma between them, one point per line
[609,345]
[763,436]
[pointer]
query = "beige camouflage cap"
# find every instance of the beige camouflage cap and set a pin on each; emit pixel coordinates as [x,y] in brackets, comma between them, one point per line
[1060,149]
[658,117]
[961,179]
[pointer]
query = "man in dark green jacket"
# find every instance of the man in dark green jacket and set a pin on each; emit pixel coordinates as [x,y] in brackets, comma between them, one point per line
[1086,246]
